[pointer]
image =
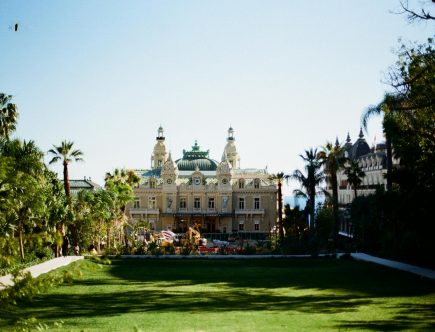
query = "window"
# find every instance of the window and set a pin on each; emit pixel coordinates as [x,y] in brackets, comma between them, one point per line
[152,183]
[241,225]
[197,203]
[241,184]
[224,202]
[257,203]
[241,203]
[151,202]
[136,203]
[159,163]
[256,225]
[257,183]
[183,203]
[211,203]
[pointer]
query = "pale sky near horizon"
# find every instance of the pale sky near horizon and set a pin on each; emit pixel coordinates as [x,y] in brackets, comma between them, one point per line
[286,75]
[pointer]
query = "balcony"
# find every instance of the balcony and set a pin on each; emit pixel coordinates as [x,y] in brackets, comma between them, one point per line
[144,211]
[198,210]
[250,211]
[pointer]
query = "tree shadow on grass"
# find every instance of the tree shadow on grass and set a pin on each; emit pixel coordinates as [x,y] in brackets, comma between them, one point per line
[61,306]
[323,274]
[156,286]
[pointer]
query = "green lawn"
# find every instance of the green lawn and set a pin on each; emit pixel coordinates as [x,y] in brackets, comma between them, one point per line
[234,295]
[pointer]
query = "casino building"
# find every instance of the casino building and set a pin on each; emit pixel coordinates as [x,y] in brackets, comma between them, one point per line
[373,161]
[196,189]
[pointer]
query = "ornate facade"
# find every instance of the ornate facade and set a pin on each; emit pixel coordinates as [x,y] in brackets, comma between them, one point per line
[373,161]
[195,189]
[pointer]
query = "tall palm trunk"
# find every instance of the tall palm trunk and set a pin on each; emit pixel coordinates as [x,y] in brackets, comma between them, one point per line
[334,185]
[281,227]
[389,161]
[66,179]
[312,206]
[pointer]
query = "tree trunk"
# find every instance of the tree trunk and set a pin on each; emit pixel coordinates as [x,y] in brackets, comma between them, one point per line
[281,228]
[355,192]
[66,179]
[20,240]
[99,238]
[75,235]
[312,213]
[389,161]
[335,206]
[108,238]
[312,207]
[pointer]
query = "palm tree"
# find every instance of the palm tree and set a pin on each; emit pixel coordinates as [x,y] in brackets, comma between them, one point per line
[8,116]
[123,176]
[25,194]
[385,107]
[278,178]
[332,159]
[354,175]
[120,184]
[65,153]
[310,182]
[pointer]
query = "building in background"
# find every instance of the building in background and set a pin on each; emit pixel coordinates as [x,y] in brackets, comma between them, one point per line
[85,184]
[373,161]
[219,196]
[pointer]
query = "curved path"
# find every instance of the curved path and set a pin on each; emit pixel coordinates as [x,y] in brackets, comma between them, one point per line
[421,271]
[39,269]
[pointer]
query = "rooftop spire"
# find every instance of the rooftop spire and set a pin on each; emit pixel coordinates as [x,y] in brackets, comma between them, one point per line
[348,138]
[337,143]
[361,135]
[160,135]
[230,134]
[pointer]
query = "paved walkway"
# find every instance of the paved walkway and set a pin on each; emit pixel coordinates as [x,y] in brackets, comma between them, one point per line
[42,268]
[421,271]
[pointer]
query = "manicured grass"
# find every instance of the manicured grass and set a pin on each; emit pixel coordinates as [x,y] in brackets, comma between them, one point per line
[234,295]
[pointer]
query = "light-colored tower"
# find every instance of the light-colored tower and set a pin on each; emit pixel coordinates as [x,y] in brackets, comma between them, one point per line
[230,150]
[160,153]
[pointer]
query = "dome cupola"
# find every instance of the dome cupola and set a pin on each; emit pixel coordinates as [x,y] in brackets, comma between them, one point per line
[196,160]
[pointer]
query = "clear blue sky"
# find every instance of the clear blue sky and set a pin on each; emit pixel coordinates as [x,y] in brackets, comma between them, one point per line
[287,75]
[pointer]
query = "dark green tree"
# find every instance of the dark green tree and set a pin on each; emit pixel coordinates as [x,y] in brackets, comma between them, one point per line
[279,178]
[354,175]
[66,154]
[8,116]
[310,181]
[332,158]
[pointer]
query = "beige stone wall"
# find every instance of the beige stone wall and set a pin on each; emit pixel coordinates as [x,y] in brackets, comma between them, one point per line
[167,203]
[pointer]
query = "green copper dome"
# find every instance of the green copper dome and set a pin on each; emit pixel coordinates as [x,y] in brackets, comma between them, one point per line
[196,159]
